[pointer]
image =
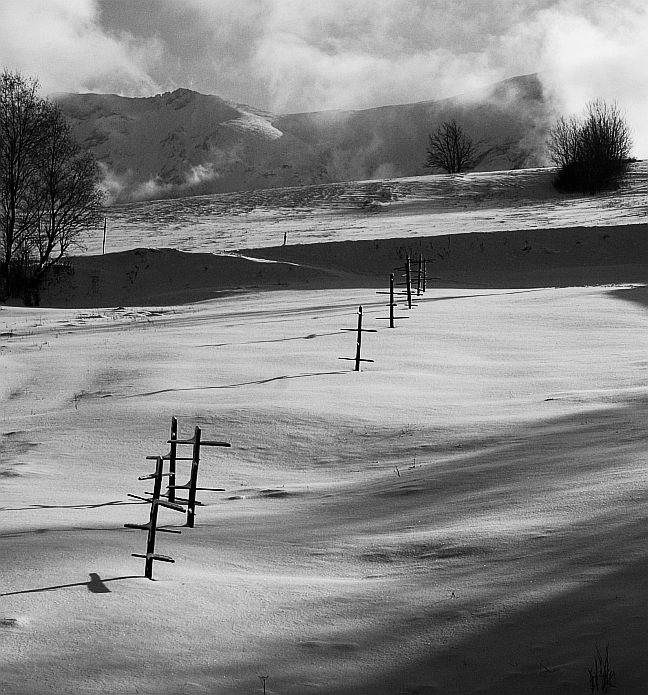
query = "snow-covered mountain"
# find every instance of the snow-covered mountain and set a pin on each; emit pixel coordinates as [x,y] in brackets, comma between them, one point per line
[184,143]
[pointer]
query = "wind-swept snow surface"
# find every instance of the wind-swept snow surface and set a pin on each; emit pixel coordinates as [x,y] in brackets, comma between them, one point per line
[419,206]
[467,514]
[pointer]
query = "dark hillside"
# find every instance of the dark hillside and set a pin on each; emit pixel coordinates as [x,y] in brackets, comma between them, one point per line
[184,143]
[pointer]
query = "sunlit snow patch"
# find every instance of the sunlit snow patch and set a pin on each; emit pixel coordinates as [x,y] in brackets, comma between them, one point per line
[252,123]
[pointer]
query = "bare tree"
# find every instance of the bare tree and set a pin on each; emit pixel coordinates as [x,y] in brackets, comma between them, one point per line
[66,197]
[564,141]
[451,149]
[48,186]
[21,119]
[591,153]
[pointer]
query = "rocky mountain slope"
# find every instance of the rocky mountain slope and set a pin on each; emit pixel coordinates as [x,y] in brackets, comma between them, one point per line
[184,143]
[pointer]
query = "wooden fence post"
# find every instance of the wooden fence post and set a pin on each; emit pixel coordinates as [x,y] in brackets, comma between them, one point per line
[193,479]
[407,268]
[173,452]
[172,502]
[151,526]
[150,541]
[358,331]
[392,304]
[358,340]
[192,485]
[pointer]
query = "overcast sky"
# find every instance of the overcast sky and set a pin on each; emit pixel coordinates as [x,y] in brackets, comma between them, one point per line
[296,55]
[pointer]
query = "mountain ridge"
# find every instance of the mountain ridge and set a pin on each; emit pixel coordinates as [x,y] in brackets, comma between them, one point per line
[183,142]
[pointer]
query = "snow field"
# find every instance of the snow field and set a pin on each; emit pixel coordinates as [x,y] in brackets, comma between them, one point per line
[465,515]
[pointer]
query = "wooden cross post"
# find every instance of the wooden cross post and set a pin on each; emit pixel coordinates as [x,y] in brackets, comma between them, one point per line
[419,277]
[103,246]
[172,457]
[358,331]
[193,479]
[151,526]
[408,282]
[392,303]
[173,452]
[192,485]
[424,274]
[358,340]
[150,541]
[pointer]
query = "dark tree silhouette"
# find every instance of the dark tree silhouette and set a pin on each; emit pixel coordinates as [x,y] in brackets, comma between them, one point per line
[21,120]
[451,149]
[592,152]
[66,199]
[48,186]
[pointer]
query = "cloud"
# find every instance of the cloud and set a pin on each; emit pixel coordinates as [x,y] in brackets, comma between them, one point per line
[125,186]
[300,55]
[345,55]
[301,76]
[598,52]
[62,44]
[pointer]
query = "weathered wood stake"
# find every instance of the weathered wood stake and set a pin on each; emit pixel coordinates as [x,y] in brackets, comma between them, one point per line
[192,485]
[150,541]
[358,331]
[358,340]
[392,303]
[193,479]
[408,282]
[172,459]
[151,526]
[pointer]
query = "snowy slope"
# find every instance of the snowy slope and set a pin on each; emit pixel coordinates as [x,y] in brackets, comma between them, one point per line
[464,516]
[419,206]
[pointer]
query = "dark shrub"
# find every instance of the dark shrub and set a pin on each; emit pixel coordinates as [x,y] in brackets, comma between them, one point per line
[592,154]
